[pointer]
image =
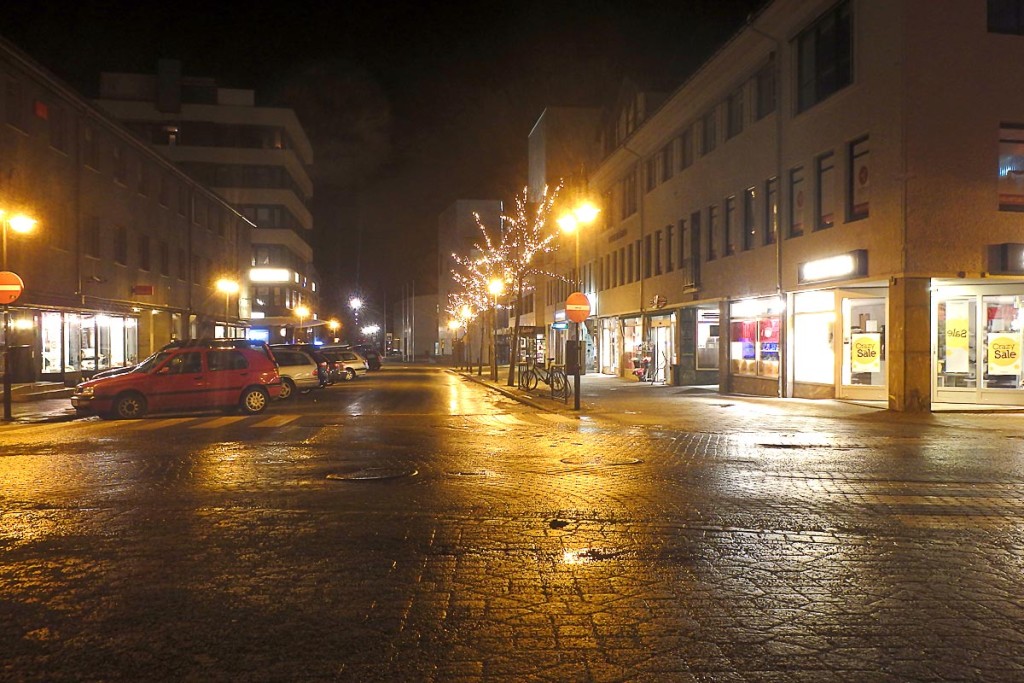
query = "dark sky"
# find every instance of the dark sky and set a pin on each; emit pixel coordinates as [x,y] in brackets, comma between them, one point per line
[409,105]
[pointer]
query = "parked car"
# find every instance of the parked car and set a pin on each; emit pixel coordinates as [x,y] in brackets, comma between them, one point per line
[185,378]
[314,351]
[346,364]
[372,355]
[299,371]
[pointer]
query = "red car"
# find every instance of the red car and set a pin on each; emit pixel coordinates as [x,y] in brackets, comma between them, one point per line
[193,377]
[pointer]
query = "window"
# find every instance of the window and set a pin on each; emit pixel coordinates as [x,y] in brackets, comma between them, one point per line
[765,83]
[686,149]
[1006,16]
[734,114]
[189,362]
[824,57]
[1011,167]
[651,173]
[182,199]
[667,162]
[681,244]
[796,202]
[714,237]
[637,258]
[165,259]
[647,256]
[825,199]
[709,133]
[771,210]
[58,128]
[90,148]
[121,245]
[859,193]
[91,237]
[731,233]
[120,165]
[17,108]
[749,218]
[693,260]
[669,263]
[629,266]
[226,359]
[144,252]
[165,190]
[182,265]
[629,199]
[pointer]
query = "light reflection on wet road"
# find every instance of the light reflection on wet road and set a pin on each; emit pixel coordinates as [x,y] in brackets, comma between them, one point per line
[416,526]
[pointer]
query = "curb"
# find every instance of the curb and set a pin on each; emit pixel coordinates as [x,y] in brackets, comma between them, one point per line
[505,391]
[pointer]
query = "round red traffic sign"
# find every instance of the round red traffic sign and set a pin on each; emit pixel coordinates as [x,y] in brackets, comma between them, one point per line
[11,287]
[577,307]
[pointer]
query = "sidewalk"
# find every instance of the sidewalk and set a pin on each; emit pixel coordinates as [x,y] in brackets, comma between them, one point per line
[40,402]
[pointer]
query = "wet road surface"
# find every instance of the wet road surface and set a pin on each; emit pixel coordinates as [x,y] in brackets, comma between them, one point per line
[418,526]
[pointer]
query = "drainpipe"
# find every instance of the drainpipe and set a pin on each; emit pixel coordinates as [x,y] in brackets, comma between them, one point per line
[783,348]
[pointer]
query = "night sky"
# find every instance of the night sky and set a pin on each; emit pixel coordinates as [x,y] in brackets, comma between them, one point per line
[409,105]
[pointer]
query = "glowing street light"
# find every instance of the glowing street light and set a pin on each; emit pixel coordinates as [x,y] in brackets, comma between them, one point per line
[572,222]
[19,223]
[303,312]
[227,286]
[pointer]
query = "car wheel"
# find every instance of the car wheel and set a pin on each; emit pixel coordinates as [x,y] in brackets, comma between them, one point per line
[129,406]
[253,401]
[287,388]
[350,374]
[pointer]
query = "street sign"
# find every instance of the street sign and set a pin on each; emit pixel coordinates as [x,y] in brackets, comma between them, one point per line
[11,287]
[577,307]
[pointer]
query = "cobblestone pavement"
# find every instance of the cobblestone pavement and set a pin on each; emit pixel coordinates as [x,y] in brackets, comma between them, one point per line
[427,529]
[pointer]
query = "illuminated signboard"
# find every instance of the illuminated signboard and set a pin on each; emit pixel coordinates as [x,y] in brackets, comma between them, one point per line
[838,267]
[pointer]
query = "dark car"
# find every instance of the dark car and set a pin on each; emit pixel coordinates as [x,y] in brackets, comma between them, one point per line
[371,354]
[185,378]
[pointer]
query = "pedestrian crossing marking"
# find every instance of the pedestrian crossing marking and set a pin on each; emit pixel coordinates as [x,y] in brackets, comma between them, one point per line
[219,422]
[148,425]
[559,419]
[277,421]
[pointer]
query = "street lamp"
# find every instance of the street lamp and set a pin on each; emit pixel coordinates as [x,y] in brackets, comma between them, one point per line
[228,287]
[19,223]
[334,326]
[495,287]
[303,312]
[572,222]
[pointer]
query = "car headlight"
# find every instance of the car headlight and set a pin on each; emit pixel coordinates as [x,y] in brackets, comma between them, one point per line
[85,392]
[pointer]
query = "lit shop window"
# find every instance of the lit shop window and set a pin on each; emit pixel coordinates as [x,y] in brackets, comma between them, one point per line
[754,337]
[814,320]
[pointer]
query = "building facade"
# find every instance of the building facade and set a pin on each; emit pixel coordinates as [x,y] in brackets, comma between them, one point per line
[829,207]
[126,248]
[254,157]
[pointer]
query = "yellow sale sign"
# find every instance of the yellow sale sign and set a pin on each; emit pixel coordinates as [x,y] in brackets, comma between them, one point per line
[1004,353]
[866,352]
[958,330]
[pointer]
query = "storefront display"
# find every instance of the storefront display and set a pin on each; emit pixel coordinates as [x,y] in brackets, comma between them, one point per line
[707,339]
[86,343]
[814,319]
[754,334]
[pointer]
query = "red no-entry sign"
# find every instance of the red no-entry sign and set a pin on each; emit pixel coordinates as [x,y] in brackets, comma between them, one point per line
[11,287]
[577,307]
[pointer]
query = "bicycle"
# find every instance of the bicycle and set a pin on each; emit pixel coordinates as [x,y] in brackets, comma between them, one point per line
[553,375]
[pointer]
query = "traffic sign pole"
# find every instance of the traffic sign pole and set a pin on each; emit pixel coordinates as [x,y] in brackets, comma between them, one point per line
[577,309]
[11,287]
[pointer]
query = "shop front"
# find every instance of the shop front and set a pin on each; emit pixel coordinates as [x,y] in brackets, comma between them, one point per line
[698,352]
[661,356]
[977,344]
[70,345]
[755,330]
[608,346]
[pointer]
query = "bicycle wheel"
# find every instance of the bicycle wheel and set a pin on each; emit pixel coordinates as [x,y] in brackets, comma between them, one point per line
[531,380]
[558,383]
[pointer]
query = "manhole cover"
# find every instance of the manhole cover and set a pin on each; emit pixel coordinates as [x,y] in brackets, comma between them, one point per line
[599,460]
[473,473]
[372,474]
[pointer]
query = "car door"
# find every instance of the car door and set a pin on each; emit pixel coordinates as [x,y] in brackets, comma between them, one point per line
[228,374]
[179,384]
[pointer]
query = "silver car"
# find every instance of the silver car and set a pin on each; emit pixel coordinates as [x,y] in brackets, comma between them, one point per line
[345,363]
[298,372]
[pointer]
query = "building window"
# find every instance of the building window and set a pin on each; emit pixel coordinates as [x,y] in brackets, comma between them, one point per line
[121,246]
[165,190]
[647,256]
[629,199]
[859,194]
[693,244]
[637,256]
[90,148]
[749,218]
[731,229]
[681,245]
[17,108]
[144,253]
[771,210]
[629,266]
[686,149]
[91,238]
[182,265]
[651,173]
[734,114]
[182,200]
[1011,167]
[765,82]
[667,162]
[709,132]
[669,262]
[120,165]
[1006,16]
[824,57]
[58,128]
[165,259]
[714,236]
[825,199]
[796,202]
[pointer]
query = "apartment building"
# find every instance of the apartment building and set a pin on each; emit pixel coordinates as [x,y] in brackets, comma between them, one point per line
[126,248]
[255,157]
[829,207]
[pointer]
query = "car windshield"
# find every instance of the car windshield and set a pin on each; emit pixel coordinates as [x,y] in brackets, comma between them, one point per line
[151,362]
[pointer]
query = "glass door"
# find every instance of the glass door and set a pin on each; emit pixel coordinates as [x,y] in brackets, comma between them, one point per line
[864,366]
[955,349]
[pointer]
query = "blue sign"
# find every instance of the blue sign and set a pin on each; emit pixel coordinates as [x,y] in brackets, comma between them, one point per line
[560,325]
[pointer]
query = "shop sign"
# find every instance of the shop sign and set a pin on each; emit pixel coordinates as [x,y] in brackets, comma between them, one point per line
[839,267]
[866,352]
[958,332]
[1004,353]
[142,290]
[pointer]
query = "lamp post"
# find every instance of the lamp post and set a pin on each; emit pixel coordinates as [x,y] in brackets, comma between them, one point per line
[19,223]
[495,287]
[572,222]
[334,326]
[228,287]
[302,311]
